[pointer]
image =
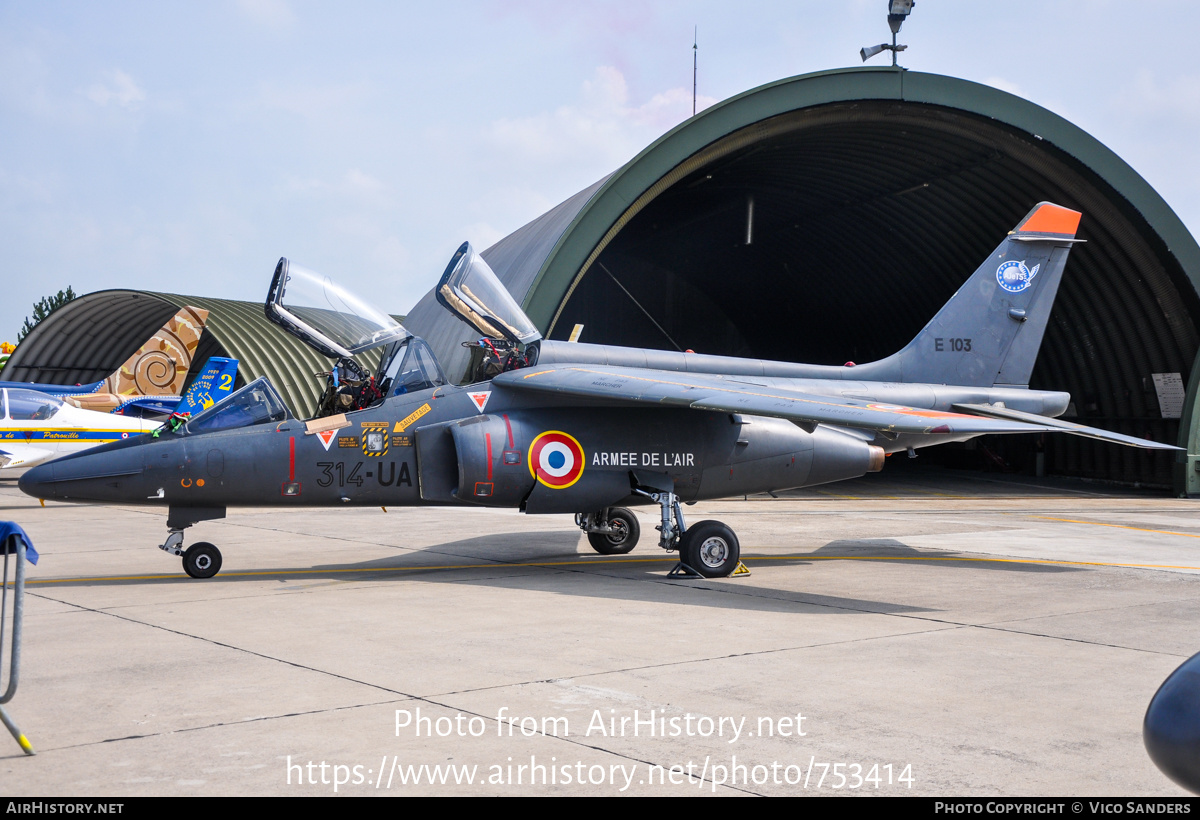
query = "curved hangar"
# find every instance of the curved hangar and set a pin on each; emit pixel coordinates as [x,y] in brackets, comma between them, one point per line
[89,337]
[825,218]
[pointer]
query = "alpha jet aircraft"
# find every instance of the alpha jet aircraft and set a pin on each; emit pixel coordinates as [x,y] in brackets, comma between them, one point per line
[560,427]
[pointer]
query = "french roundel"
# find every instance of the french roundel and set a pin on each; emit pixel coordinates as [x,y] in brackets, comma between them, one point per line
[556,459]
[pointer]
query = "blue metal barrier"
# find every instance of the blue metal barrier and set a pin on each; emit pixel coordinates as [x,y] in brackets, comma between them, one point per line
[16,549]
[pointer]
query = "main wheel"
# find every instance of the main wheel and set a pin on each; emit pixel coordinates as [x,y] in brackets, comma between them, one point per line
[202,560]
[623,538]
[710,548]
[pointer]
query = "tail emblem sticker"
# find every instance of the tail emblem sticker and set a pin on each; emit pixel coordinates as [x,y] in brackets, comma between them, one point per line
[1014,277]
[556,459]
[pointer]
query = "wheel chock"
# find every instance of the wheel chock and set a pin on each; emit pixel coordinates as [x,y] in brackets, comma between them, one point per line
[682,570]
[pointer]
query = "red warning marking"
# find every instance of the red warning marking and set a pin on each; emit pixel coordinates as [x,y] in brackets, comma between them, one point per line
[480,399]
[326,437]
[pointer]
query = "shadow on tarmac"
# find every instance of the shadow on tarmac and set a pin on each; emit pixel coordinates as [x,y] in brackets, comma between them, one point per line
[521,560]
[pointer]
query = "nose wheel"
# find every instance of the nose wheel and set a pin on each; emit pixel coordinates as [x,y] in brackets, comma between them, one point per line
[202,560]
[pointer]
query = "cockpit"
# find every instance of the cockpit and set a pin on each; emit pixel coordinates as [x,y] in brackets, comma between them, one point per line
[374,356]
[18,404]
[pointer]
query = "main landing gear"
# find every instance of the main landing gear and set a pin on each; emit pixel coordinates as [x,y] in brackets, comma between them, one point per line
[200,560]
[707,549]
[612,531]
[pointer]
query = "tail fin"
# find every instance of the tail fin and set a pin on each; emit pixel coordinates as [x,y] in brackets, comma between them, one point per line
[214,382]
[989,333]
[160,366]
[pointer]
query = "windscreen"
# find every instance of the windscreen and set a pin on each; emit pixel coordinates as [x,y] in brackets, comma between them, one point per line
[472,291]
[413,368]
[256,403]
[326,315]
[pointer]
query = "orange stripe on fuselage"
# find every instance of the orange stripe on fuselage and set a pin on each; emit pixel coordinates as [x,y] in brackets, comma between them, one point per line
[1052,219]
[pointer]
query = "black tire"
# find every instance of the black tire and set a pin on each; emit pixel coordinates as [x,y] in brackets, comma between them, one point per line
[711,549]
[621,542]
[202,560]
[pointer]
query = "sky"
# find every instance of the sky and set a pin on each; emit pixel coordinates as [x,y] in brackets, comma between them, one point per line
[185,147]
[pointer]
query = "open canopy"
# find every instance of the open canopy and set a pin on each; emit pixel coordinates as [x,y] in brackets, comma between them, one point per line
[472,292]
[326,315]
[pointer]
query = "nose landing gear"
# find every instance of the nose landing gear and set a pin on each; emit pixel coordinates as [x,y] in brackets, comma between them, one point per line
[200,560]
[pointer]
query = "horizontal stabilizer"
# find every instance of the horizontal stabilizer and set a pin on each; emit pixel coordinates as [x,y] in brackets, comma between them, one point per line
[1059,425]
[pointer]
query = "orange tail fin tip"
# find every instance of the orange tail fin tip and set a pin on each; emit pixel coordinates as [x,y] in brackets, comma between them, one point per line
[1051,219]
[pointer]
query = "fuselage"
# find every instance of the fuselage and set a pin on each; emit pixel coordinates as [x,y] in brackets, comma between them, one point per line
[438,447]
[481,445]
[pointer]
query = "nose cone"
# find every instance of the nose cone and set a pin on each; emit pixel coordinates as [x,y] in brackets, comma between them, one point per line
[1171,728]
[38,481]
[107,473]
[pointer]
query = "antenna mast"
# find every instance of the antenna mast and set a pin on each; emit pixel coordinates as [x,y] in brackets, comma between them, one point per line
[695,50]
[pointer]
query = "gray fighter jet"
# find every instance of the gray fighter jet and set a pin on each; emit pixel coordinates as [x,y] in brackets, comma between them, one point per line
[560,427]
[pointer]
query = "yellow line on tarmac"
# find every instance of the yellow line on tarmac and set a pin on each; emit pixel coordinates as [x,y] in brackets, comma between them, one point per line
[966,559]
[610,561]
[349,570]
[1121,526]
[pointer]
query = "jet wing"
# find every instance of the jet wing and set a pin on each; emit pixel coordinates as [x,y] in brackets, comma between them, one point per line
[630,385]
[1065,426]
[22,455]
